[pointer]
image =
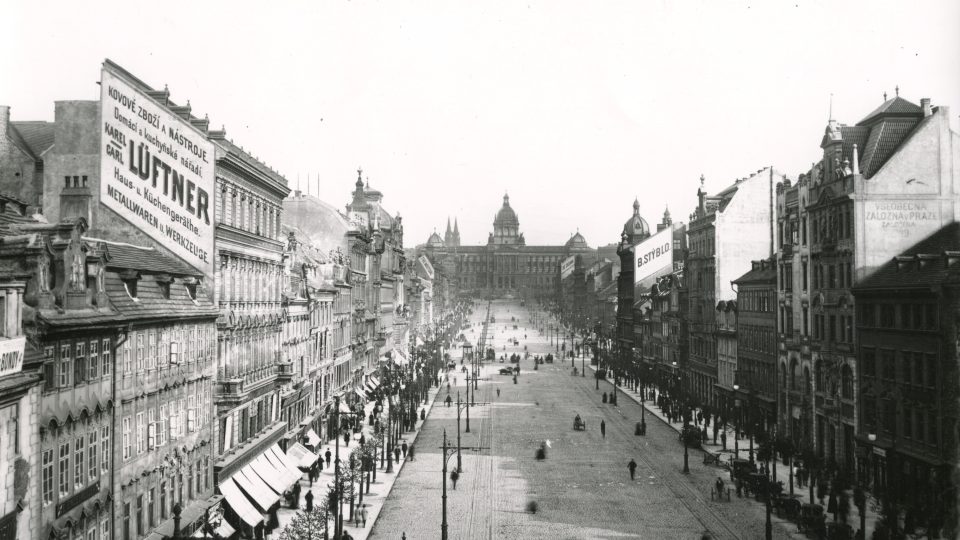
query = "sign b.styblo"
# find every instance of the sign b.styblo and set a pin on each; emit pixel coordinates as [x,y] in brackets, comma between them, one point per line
[653,257]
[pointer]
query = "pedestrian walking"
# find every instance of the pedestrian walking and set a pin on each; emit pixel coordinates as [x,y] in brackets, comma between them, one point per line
[363,515]
[327,455]
[633,468]
[603,429]
[363,439]
[404,448]
[454,476]
[719,487]
[423,414]
[723,439]
[346,438]
[498,392]
[396,452]
[410,453]
[448,401]
[309,500]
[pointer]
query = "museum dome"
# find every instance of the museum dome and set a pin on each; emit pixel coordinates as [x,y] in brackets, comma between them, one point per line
[506,216]
[577,241]
[636,226]
[435,240]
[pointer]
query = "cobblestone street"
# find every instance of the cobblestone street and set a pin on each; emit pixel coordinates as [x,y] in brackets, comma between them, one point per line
[583,488]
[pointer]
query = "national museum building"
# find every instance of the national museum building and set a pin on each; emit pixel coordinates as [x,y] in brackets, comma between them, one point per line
[506,265]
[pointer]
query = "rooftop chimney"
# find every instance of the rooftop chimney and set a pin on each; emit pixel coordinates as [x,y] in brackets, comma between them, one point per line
[925,105]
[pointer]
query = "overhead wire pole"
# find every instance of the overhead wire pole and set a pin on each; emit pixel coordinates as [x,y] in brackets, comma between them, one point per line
[447,454]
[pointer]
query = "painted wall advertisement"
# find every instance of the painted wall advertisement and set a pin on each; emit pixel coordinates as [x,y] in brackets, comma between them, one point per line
[11,355]
[157,171]
[567,266]
[653,258]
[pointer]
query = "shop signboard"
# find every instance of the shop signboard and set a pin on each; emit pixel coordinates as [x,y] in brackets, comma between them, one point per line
[567,266]
[156,170]
[11,355]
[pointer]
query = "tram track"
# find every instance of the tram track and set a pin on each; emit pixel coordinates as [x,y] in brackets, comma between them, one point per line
[683,491]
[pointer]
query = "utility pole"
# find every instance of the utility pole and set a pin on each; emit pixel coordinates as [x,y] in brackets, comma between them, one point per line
[447,454]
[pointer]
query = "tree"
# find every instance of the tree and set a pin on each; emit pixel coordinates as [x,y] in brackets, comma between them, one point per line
[310,525]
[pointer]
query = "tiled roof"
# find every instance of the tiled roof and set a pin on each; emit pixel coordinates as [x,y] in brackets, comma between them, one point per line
[892,107]
[145,259]
[765,275]
[905,272]
[36,137]
[151,302]
[886,137]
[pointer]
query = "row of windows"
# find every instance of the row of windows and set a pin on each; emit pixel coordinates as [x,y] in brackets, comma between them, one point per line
[74,464]
[247,211]
[141,514]
[761,301]
[169,420]
[792,232]
[918,424]
[756,338]
[911,368]
[832,276]
[837,328]
[78,362]
[243,280]
[163,348]
[832,224]
[906,316]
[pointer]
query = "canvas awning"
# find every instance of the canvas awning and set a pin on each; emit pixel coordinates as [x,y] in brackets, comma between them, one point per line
[303,457]
[251,484]
[312,438]
[284,462]
[224,530]
[239,503]
[270,475]
[344,408]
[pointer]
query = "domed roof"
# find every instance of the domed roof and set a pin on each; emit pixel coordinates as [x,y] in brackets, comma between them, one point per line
[577,241]
[506,215]
[636,225]
[435,240]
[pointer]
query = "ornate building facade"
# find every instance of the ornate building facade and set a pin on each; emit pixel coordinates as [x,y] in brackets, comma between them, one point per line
[506,265]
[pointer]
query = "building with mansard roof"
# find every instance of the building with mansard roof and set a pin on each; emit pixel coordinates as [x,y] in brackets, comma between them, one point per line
[505,265]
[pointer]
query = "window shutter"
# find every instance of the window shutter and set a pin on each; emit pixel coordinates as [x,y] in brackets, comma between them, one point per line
[49,374]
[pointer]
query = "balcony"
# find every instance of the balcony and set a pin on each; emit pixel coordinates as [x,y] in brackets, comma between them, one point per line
[235,389]
[285,372]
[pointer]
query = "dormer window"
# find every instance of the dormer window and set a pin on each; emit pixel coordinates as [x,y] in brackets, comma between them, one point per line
[191,284]
[163,283]
[131,287]
[130,280]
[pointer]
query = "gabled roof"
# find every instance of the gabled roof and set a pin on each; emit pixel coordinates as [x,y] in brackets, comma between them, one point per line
[33,137]
[923,264]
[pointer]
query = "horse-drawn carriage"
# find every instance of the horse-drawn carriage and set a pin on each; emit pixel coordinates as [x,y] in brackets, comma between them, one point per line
[579,424]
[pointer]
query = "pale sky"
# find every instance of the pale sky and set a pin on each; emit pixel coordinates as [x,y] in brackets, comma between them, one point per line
[574,108]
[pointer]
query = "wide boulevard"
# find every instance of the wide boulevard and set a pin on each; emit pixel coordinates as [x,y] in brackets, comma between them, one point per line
[583,488]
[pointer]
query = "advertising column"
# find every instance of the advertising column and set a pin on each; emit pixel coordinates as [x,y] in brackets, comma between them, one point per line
[156,171]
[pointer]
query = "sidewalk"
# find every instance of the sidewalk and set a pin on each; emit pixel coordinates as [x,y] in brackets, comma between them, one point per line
[379,489]
[725,456]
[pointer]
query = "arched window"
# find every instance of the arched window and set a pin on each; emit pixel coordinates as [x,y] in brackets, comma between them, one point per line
[846,385]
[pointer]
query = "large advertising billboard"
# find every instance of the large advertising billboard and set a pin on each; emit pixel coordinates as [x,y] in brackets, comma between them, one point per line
[653,258]
[567,266]
[157,171]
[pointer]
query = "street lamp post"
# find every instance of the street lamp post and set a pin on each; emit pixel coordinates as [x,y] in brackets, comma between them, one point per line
[683,433]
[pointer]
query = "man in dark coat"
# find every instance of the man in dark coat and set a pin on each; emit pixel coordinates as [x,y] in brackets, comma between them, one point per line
[633,468]
[309,499]
[396,452]
[404,446]
[603,429]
